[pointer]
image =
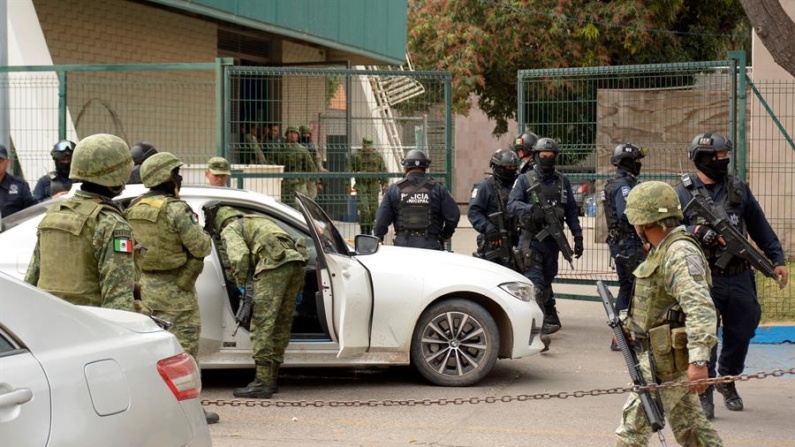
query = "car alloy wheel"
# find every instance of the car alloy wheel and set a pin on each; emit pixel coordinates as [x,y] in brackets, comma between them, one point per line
[455,343]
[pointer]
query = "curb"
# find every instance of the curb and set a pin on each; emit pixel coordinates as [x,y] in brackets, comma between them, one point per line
[774,334]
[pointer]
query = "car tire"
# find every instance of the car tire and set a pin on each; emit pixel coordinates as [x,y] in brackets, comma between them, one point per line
[455,343]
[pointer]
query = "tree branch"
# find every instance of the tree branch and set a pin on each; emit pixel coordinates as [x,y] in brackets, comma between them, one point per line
[775,28]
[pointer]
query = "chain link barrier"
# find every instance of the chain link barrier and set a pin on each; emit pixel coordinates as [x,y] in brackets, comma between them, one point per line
[488,399]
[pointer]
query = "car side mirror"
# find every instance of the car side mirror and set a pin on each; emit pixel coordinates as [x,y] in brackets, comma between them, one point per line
[365,244]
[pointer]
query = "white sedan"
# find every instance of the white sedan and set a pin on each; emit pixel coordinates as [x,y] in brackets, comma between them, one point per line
[450,315]
[82,376]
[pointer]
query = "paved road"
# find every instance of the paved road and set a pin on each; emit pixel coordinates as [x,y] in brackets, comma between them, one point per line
[579,360]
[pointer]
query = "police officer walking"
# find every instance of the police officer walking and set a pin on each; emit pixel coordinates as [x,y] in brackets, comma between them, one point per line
[84,250]
[172,246]
[258,248]
[734,287]
[140,152]
[523,146]
[56,182]
[626,248]
[488,208]
[423,212]
[367,159]
[14,192]
[672,316]
[539,249]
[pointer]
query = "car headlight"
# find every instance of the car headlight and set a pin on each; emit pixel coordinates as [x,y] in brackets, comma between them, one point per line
[519,290]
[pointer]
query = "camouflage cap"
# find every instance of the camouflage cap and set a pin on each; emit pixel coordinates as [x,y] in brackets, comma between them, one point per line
[219,166]
[291,129]
[103,159]
[305,129]
[652,202]
[367,140]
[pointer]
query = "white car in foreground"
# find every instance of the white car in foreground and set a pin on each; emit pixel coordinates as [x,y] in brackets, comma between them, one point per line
[448,314]
[82,376]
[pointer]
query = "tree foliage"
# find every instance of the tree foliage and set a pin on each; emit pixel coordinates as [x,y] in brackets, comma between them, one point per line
[484,43]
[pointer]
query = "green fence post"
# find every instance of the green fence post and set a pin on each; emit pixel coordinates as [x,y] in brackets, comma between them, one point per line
[62,105]
[740,126]
[221,107]
[520,103]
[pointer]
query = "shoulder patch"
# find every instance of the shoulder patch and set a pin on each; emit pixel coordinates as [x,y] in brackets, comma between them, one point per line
[474,192]
[694,266]
[122,234]
[625,190]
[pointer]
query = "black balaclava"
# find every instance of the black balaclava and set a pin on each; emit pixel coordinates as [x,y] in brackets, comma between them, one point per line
[105,191]
[630,165]
[546,165]
[715,169]
[62,168]
[505,176]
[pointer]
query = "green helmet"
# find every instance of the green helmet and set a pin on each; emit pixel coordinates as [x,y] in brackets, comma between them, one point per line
[224,214]
[652,202]
[103,159]
[291,129]
[157,168]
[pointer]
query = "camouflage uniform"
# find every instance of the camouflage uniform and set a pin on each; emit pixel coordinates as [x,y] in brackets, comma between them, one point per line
[277,263]
[367,189]
[173,246]
[84,249]
[673,316]
[311,187]
[295,158]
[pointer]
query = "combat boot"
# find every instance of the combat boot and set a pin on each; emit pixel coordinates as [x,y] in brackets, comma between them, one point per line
[256,390]
[707,403]
[731,399]
[551,321]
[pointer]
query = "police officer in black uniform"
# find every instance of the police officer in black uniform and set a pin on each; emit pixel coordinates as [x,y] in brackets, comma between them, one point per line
[626,248]
[56,181]
[14,191]
[423,212]
[523,146]
[542,255]
[490,197]
[140,152]
[733,288]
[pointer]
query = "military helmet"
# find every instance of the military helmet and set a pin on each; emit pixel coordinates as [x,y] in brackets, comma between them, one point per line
[141,151]
[627,151]
[62,149]
[291,129]
[546,144]
[415,158]
[708,143]
[504,157]
[224,214]
[652,202]
[157,168]
[525,142]
[103,159]
[305,129]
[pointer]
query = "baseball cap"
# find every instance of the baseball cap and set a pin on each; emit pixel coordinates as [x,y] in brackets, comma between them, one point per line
[3,152]
[219,166]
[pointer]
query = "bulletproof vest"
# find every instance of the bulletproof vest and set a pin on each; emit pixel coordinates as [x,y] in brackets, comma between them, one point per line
[152,231]
[501,198]
[414,208]
[553,193]
[367,162]
[615,225]
[68,268]
[650,301]
[731,202]
[269,245]
[56,185]
[293,159]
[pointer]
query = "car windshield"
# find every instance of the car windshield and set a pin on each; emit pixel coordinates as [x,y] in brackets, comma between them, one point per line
[28,213]
[330,238]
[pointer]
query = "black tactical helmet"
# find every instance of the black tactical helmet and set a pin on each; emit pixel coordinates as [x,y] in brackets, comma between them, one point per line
[416,158]
[504,164]
[627,152]
[525,142]
[61,149]
[141,151]
[708,143]
[546,144]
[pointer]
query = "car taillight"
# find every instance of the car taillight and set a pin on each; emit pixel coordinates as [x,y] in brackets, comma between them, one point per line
[181,375]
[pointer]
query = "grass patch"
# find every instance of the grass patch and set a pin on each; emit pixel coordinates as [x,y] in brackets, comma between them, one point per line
[778,305]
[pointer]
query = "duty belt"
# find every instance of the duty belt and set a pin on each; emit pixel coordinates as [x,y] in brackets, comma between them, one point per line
[730,270]
[418,233]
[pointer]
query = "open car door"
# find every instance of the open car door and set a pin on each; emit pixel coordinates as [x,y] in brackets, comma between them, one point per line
[344,281]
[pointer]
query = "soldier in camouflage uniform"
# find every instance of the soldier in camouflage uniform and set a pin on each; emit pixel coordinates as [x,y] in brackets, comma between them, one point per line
[295,158]
[256,245]
[367,159]
[671,315]
[306,139]
[84,251]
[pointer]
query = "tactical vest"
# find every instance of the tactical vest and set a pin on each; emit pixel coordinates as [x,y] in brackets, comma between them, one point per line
[500,198]
[617,228]
[164,250]
[269,245]
[652,305]
[553,193]
[414,208]
[55,185]
[731,203]
[68,229]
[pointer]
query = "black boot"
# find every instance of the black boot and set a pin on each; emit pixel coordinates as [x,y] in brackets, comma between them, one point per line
[707,404]
[256,389]
[212,418]
[551,321]
[731,399]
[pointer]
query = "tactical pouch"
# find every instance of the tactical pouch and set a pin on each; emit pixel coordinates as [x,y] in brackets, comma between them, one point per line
[660,344]
[189,273]
[679,344]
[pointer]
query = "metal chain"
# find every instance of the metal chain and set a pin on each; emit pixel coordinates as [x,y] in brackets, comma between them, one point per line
[489,399]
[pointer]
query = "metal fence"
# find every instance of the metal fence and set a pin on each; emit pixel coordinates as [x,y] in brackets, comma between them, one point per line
[588,111]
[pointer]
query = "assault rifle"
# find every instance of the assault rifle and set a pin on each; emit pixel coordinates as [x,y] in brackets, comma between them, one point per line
[553,228]
[736,243]
[503,252]
[210,210]
[243,313]
[652,408]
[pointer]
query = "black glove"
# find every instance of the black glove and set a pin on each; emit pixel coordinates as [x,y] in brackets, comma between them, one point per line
[578,247]
[707,236]
[493,236]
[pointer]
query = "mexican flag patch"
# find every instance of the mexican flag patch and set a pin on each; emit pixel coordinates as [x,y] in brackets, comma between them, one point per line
[122,245]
